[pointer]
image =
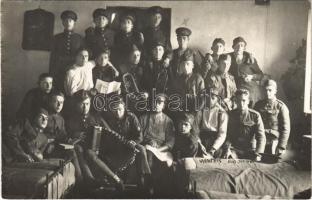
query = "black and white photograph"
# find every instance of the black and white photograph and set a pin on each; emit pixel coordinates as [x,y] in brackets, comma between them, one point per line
[203,99]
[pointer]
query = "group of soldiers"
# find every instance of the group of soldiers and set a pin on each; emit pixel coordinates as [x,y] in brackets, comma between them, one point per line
[229,122]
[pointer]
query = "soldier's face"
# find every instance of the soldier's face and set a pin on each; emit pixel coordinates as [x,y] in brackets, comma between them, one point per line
[84,106]
[57,103]
[239,48]
[102,59]
[188,67]
[242,101]
[135,57]
[183,41]
[224,65]
[82,58]
[159,106]
[41,121]
[270,92]
[126,25]
[158,52]
[119,111]
[185,128]
[213,100]
[217,49]
[156,19]
[68,24]
[46,84]
[101,21]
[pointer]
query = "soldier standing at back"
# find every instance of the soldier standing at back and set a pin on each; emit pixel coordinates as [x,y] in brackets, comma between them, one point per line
[64,48]
[276,120]
[156,33]
[101,36]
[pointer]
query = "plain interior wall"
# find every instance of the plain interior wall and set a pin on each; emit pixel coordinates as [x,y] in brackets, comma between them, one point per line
[273,34]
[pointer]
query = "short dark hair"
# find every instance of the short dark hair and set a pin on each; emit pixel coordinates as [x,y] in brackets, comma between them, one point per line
[103,51]
[56,93]
[44,75]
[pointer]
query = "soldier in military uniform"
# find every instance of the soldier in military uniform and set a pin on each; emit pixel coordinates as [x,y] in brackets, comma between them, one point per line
[245,69]
[189,85]
[36,97]
[64,48]
[186,139]
[79,126]
[127,124]
[155,32]
[154,67]
[246,135]
[209,63]
[26,140]
[183,37]
[125,38]
[101,36]
[276,120]
[212,122]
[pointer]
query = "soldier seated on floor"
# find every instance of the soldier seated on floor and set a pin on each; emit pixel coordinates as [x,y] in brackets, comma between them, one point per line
[246,136]
[187,140]
[276,120]
[212,122]
[26,140]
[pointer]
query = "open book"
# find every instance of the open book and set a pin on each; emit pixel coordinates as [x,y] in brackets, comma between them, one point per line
[107,87]
[164,156]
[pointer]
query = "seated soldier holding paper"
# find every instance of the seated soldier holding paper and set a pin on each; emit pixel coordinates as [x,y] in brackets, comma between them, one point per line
[158,136]
[57,135]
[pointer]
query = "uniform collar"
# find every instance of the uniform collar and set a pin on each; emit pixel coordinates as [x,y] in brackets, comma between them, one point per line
[68,32]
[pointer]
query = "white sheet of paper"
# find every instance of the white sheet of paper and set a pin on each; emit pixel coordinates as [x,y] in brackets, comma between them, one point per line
[107,87]
[67,146]
[162,156]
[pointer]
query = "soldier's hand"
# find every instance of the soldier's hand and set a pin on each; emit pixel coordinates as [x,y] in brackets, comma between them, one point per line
[279,151]
[248,78]
[132,143]
[166,62]
[209,58]
[39,156]
[208,156]
[227,153]
[26,158]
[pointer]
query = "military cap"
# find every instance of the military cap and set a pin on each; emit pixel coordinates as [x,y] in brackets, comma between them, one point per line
[218,40]
[81,95]
[188,56]
[237,40]
[183,31]
[130,17]
[161,97]
[69,14]
[100,12]
[155,9]
[189,118]
[270,82]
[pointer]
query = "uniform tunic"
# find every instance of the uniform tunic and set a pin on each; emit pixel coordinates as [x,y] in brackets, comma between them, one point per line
[212,124]
[247,67]
[56,128]
[246,131]
[105,73]
[98,39]
[78,78]
[24,139]
[276,120]
[159,128]
[63,51]
[185,145]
